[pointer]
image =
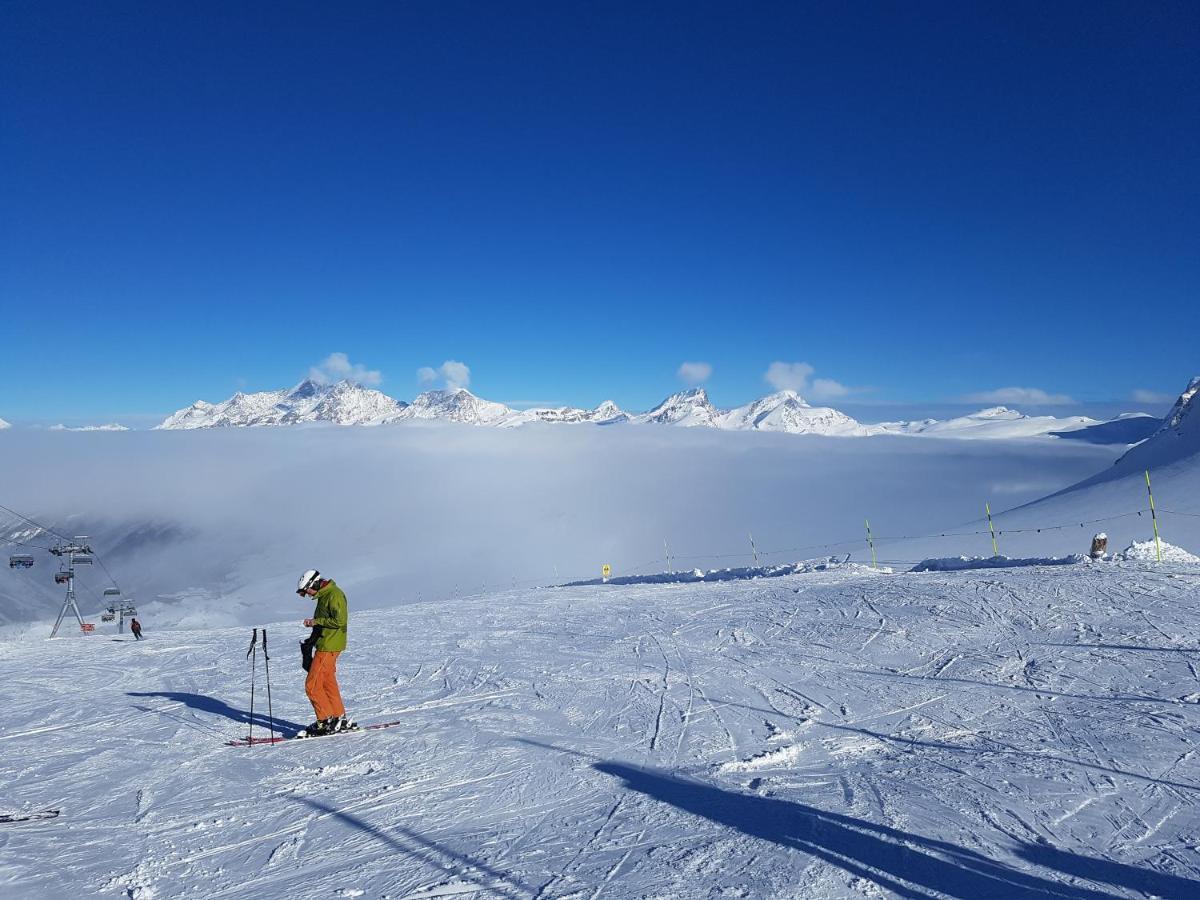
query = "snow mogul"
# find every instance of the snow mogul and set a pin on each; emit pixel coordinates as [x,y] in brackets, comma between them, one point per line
[326,642]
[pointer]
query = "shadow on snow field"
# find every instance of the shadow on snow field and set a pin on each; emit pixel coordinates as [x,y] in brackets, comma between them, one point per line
[888,856]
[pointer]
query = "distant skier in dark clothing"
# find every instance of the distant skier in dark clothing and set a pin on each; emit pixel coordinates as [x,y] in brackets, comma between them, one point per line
[136,627]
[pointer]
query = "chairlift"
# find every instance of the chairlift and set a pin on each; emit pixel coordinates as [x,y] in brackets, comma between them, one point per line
[83,560]
[112,592]
[20,561]
[108,617]
[62,577]
[130,611]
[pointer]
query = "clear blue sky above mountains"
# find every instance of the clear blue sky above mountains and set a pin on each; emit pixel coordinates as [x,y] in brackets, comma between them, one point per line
[921,202]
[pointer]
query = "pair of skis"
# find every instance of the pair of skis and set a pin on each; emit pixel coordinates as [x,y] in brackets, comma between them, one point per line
[252,741]
[40,815]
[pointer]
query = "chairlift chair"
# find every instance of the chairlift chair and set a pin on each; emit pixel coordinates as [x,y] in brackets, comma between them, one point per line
[112,592]
[20,561]
[83,560]
[62,577]
[108,617]
[130,611]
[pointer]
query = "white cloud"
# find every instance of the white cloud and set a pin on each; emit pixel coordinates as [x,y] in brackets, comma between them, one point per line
[828,389]
[1144,396]
[453,373]
[695,372]
[337,367]
[1014,395]
[795,377]
[789,376]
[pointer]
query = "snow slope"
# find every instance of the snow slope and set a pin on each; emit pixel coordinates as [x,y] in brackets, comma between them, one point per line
[1113,500]
[1127,428]
[1014,733]
[996,423]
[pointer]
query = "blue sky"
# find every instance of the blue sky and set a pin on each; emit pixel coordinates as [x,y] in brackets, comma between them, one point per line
[920,204]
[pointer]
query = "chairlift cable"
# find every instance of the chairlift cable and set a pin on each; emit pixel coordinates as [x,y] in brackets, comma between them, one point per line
[34,522]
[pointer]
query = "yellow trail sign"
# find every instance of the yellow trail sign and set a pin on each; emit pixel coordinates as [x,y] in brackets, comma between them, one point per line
[606,570]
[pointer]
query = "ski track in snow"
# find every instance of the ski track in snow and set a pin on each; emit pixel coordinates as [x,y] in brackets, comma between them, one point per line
[1002,733]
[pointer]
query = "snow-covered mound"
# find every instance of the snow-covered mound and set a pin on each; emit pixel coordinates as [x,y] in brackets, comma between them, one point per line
[4,425]
[1147,551]
[958,563]
[344,403]
[742,573]
[1127,428]
[113,426]
[996,423]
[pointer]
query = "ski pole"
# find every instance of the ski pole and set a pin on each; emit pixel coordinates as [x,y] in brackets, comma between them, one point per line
[252,655]
[267,663]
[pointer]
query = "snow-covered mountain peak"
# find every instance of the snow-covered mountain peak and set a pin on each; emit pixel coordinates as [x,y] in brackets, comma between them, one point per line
[345,403]
[997,412]
[1184,408]
[787,395]
[456,405]
[788,412]
[309,388]
[609,412]
[4,424]
[689,408]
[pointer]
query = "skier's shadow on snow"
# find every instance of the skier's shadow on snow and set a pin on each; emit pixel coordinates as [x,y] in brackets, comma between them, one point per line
[891,858]
[220,708]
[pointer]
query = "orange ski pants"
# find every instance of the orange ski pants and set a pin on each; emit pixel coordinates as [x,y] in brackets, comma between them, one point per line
[322,687]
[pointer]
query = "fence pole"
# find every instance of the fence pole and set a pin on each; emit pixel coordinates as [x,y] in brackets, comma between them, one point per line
[753,549]
[871,542]
[667,550]
[1154,518]
[992,528]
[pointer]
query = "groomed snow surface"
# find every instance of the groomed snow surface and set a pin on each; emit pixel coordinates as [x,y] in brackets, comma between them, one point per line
[1010,733]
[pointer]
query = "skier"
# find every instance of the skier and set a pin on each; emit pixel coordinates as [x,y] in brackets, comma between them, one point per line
[328,639]
[136,627]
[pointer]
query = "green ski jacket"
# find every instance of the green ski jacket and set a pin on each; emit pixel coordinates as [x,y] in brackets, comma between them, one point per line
[330,618]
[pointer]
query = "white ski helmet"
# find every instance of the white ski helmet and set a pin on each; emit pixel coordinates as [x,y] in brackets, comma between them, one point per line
[307,580]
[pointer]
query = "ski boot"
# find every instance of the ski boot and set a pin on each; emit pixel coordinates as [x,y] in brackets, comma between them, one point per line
[316,729]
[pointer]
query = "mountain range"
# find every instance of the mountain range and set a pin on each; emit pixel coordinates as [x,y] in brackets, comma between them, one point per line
[348,403]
